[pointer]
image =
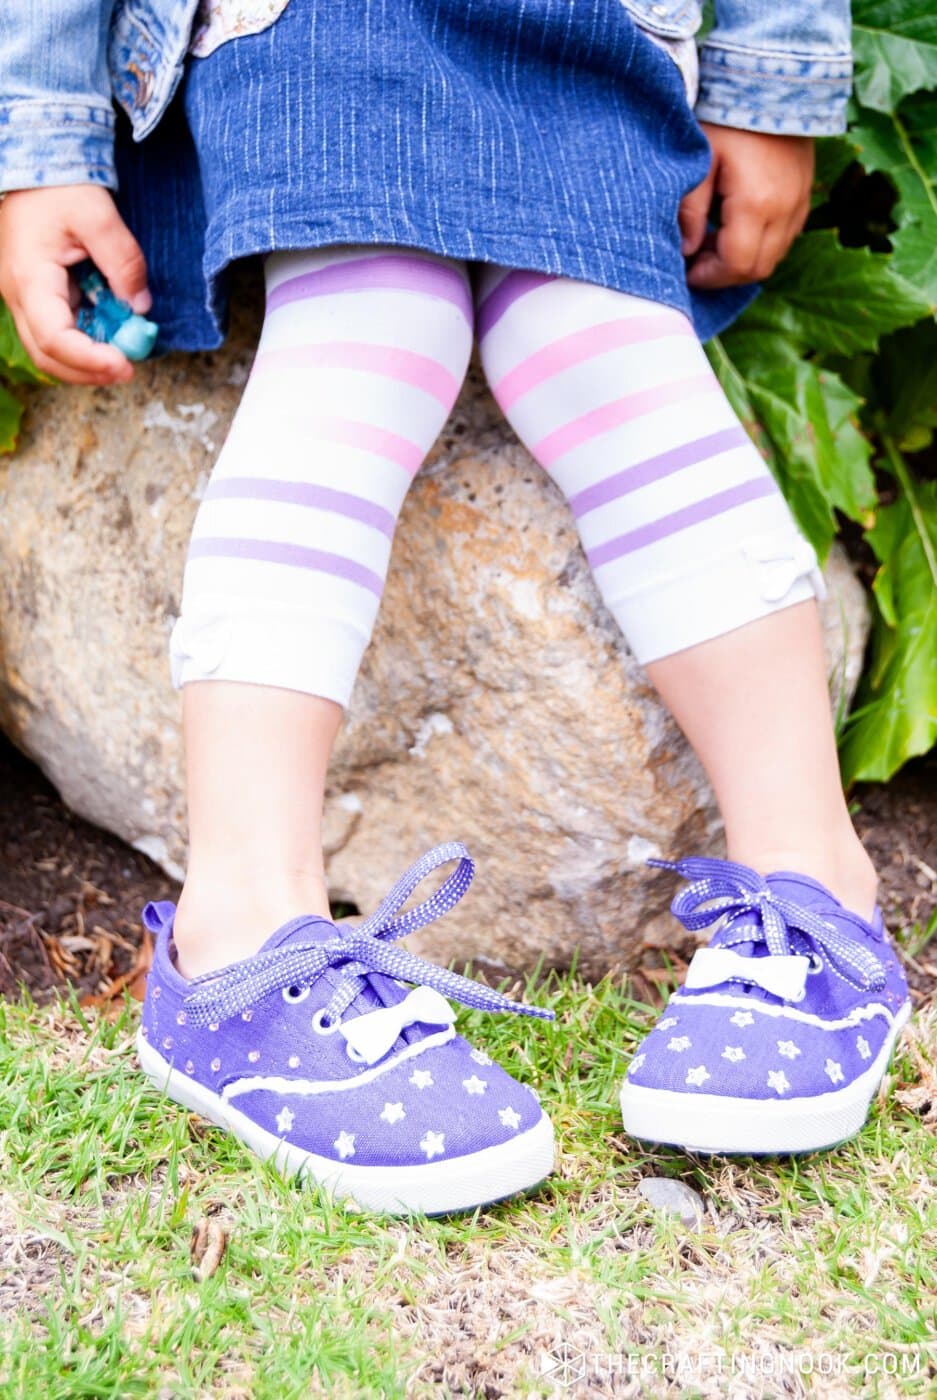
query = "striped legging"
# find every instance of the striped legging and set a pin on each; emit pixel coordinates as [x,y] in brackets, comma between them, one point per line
[361,359]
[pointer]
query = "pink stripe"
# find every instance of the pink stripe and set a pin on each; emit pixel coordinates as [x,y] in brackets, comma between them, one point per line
[398,272]
[695,514]
[576,348]
[294,555]
[507,292]
[403,365]
[382,443]
[612,415]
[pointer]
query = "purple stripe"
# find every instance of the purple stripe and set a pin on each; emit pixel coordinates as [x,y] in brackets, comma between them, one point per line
[683,519]
[688,454]
[294,555]
[507,292]
[399,272]
[303,493]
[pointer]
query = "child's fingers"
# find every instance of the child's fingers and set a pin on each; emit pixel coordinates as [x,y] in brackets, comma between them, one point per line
[46,322]
[58,369]
[737,256]
[116,253]
[693,215]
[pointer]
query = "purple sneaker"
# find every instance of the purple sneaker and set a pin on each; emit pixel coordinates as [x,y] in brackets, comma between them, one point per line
[313,1053]
[783,1029]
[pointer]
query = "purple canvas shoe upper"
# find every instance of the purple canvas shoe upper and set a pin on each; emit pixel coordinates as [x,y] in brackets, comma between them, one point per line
[315,1039]
[794,996]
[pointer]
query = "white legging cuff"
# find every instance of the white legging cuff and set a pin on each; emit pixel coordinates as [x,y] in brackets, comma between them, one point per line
[718,595]
[291,649]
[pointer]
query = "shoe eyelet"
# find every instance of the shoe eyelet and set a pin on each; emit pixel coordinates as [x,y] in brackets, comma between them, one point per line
[815,964]
[801,996]
[323,1027]
[295,994]
[354,1054]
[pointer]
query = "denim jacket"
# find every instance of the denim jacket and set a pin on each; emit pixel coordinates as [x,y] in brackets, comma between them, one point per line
[781,66]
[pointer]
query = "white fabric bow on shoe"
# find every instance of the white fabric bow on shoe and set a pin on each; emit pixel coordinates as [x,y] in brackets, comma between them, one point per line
[370,1036]
[782,974]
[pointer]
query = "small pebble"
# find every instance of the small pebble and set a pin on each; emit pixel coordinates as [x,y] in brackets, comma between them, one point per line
[664,1193]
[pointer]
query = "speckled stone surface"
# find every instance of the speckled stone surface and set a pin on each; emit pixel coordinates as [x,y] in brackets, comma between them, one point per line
[497,704]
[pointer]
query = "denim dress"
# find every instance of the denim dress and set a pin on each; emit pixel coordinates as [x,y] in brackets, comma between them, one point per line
[552,135]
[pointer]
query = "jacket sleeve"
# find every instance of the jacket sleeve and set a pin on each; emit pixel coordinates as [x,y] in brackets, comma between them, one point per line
[56,115]
[777,67]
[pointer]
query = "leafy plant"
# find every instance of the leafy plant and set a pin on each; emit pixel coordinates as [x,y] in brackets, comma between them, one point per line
[834,371]
[16,368]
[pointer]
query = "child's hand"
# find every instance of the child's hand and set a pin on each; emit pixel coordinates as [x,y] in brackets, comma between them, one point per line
[764,184]
[43,233]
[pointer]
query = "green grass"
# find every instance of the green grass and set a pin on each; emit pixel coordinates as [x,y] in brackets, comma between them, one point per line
[828,1261]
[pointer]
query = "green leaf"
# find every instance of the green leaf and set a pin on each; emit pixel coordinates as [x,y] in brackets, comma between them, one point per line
[904,385]
[850,482]
[904,147]
[15,364]
[805,423]
[895,47]
[833,155]
[834,300]
[897,714]
[11,411]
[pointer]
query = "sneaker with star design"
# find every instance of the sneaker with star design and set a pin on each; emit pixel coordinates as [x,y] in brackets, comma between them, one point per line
[315,1053]
[783,1029]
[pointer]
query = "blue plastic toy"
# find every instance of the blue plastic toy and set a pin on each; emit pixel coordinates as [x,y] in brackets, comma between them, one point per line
[106,318]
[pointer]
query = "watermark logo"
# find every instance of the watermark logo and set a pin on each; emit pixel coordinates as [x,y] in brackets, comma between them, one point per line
[564,1365]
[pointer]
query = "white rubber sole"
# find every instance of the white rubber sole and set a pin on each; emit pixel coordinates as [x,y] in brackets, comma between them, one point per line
[433,1188]
[714,1123]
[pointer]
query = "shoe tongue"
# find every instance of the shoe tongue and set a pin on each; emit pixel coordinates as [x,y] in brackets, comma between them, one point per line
[312,928]
[309,928]
[796,889]
[802,890]
[785,886]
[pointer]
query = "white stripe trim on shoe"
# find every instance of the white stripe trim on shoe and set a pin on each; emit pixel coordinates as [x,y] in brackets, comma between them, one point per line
[280,1084]
[784,1013]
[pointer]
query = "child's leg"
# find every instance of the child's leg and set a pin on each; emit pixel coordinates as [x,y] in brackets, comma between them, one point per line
[359,364]
[693,549]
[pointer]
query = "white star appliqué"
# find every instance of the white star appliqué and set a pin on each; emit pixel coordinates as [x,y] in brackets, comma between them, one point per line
[393,1112]
[474,1085]
[509,1117]
[698,1075]
[284,1119]
[778,1081]
[667,1022]
[733,1053]
[788,1049]
[679,1042]
[864,1048]
[480,1057]
[421,1078]
[742,1018]
[835,1072]
[636,1063]
[344,1145]
[432,1143]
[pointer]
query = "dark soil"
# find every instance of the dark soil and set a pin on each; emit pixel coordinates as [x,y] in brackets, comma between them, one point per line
[71,895]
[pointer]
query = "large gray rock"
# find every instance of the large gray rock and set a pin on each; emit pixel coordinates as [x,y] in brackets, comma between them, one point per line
[497,703]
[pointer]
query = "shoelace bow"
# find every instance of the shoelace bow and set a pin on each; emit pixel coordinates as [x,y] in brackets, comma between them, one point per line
[729,890]
[357,952]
